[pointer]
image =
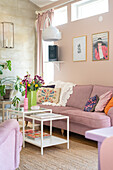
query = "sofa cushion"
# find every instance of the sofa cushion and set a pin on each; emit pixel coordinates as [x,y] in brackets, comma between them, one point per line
[81,94]
[103,100]
[51,95]
[91,104]
[49,86]
[56,109]
[90,119]
[108,106]
[99,90]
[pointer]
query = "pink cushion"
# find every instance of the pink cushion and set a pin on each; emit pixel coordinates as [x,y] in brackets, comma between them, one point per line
[103,100]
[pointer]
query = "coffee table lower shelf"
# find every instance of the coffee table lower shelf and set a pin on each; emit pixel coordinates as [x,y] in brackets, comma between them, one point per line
[49,141]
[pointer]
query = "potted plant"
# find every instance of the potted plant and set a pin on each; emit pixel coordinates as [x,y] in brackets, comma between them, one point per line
[4,88]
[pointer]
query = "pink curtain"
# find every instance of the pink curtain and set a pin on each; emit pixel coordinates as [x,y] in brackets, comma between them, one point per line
[40,23]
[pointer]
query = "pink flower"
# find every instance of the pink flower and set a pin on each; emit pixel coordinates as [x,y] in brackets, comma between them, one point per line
[29,80]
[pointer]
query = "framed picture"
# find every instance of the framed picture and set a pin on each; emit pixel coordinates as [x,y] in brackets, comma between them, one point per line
[100,46]
[8,34]
[79,48]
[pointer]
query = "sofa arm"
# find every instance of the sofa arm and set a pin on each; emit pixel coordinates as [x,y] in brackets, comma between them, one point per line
[110,114]
[5,130]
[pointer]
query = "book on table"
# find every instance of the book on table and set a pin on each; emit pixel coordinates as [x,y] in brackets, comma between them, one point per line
[35,135]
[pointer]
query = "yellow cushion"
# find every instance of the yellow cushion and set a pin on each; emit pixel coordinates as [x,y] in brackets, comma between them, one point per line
[51,95]
[108,106]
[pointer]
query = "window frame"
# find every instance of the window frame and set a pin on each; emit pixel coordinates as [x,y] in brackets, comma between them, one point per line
[81,3]
[58,9]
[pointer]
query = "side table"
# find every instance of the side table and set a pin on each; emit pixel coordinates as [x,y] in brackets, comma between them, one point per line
[3,103]
[99,135]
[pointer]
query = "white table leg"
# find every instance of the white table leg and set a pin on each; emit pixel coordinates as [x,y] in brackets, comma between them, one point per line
[3,112]
[7,114]
[67,133]
[41,137]
[23,132]
[33,124]
[51,127]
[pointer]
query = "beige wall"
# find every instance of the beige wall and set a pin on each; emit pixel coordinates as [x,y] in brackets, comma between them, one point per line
[89,72]
[22,14]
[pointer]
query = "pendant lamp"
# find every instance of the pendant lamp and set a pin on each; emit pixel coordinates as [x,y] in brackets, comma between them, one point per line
[50,33]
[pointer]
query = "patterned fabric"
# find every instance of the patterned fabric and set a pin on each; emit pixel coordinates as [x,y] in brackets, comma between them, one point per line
[91,104]
[48,95]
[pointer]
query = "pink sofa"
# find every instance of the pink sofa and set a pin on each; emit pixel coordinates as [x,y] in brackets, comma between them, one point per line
[81,121]
[10,145]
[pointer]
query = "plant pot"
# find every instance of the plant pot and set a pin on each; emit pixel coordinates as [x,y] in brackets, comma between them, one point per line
[32,101]
[7,95]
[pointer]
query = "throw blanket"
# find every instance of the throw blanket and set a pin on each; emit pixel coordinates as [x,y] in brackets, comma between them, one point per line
[66,91]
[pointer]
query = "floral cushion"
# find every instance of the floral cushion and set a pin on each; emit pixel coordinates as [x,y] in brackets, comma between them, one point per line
[91,104]
[51,95]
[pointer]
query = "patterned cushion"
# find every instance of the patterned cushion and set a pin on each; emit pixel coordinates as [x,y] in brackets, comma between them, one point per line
[51,95]
[91,104]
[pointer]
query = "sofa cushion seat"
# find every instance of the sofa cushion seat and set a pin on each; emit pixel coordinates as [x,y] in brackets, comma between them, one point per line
[56,109]
[90,119]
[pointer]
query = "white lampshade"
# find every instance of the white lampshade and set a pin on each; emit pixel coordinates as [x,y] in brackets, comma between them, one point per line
[51,33]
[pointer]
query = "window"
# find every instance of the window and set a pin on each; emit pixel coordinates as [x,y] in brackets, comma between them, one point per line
[48,67]
[60,16]
[87,8]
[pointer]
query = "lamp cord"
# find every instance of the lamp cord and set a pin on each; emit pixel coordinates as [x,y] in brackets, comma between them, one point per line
[46,21]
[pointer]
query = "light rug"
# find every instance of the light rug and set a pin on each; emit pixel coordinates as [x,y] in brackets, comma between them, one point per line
[80,156]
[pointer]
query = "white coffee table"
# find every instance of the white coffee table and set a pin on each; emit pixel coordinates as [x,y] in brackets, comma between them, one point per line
[51,140]
[20,112]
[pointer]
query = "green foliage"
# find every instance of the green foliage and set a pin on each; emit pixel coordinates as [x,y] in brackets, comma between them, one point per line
[8,64]
[1,68]
[2,90]
[15,101]
[4,66]
[19,86]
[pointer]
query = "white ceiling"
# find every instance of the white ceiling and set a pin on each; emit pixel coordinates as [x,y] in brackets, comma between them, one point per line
[42,3]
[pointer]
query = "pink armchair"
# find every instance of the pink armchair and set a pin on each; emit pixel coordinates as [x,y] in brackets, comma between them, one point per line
[106,154]
[10,145]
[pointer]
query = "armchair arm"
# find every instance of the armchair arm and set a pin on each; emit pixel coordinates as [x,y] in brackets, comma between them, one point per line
[110,114]
[6,127]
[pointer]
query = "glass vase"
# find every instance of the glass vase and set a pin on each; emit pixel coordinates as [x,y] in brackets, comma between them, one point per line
[32,101]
